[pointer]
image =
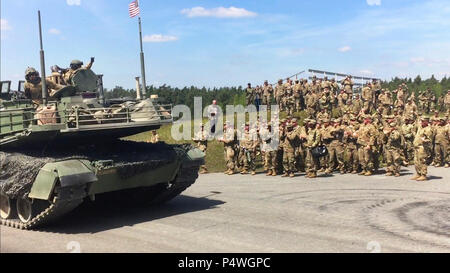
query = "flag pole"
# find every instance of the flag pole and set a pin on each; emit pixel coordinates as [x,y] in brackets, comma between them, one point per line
[144,85]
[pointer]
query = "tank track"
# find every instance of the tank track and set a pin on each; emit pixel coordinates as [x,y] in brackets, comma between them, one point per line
[66,199]
[185,178]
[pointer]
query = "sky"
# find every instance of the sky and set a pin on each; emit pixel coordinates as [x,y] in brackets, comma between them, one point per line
[216,43]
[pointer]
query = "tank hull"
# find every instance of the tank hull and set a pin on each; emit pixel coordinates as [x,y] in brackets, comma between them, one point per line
[57,185]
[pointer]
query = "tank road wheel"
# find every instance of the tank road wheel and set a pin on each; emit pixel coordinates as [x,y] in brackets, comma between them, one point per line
[28,209]
[24,209]
[6,206]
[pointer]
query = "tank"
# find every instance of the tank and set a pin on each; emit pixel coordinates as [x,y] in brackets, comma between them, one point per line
[56,156]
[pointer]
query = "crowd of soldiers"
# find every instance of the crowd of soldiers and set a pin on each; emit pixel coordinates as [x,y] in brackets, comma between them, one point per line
[359,131]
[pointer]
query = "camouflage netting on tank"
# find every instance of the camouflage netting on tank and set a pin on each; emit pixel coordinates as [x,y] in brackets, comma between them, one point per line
[18,169]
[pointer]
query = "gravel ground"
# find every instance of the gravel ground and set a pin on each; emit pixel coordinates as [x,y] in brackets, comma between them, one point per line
[220,213]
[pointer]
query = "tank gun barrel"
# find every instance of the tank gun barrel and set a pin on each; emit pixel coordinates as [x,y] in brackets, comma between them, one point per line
[44,83]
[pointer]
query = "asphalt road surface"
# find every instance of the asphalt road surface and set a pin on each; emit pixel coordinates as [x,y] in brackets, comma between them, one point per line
[220,213]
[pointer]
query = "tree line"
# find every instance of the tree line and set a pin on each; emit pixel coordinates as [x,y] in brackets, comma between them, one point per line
[236,95]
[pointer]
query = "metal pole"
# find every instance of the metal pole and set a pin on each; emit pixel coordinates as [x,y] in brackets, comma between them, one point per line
[100,89]
[44,83]
[138,89]
[144,85]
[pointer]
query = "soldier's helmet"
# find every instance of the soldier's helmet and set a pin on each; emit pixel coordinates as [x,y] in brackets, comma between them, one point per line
[75,64]
[29,72]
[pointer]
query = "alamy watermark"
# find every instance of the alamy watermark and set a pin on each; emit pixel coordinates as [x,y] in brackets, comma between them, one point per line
[235,117]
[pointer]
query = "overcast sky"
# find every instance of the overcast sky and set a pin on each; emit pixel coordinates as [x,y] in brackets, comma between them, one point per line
[229,43]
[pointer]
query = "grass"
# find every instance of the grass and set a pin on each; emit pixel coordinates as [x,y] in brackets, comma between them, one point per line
[215,161]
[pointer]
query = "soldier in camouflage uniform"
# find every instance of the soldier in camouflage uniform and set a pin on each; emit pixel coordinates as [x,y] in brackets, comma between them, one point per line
[341,103]
[440,103]
[267,91]
[447,102]
[154,138]
[366,145]
[325,100]
[409,131]
[279,93]
[75,65]
[229,141]
[288,140]
[368,97]
[201,138]
[325,83]
[311,104]
[441,143]
[393,149]
[287,92]
[401,98]
[324,126]
[351,148]
[334,86]
[348,85]
[300,153]
[249,94]
[323,115]
[289,102]
[315,86]
[312,141]
[248,144]
[410,109]
[297,89]
[269,145]
[385,100]
[423,103]
[336,148]
[357,104]
[431,100]
[422,149]
[33,86]
[347,111]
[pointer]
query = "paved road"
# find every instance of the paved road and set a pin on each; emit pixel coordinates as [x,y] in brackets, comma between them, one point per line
[219,213]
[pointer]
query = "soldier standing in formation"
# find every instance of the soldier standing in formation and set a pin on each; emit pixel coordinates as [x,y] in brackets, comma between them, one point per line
[422,149]
[247,145]
[312,141]
[441,143]
[201,138]
[393,149]
[229,142]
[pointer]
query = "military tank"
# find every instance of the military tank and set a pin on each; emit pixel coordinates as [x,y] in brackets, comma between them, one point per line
[55,156]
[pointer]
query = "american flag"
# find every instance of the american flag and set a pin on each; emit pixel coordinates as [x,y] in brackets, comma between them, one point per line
[133,8]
